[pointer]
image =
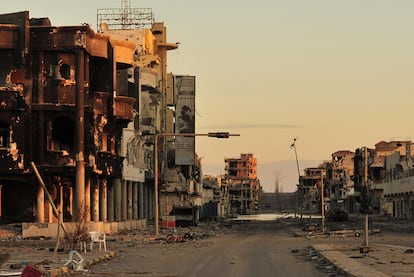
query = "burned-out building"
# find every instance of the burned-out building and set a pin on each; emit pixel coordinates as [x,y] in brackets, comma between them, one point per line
[311,184]
[340,181]
[64,109]
[81,108]
[241,184]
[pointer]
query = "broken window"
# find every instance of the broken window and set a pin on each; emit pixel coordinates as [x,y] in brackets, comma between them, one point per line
[64,72]
[4,135]
[61,134]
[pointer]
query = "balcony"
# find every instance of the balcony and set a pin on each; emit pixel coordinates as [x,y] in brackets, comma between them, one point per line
[123,107]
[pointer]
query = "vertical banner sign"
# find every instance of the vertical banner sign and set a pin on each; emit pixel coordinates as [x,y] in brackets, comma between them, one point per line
[185,119]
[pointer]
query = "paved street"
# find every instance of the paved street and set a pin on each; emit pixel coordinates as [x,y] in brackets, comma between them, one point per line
[245,249]
[242,248]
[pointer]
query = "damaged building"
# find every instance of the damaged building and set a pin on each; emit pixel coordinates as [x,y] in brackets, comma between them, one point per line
[68,93]
[390,179]
[312,183]
[370,180]
[83,109]
[241,184]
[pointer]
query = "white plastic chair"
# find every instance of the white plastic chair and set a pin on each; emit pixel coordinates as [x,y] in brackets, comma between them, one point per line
[98,237]
[75,261]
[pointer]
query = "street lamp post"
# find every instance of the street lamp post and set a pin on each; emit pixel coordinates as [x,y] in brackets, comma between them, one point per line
[211,134]
[293,145]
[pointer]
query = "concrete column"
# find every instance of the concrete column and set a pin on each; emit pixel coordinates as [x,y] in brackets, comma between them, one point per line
[111,201]
[79,199]
[118,199]
[95,201]
[151,202]
[88,199]
[40,204]
[103,200]
[145,202]
[134,200]
[71,202]
[60,204]
[129,189]
[51,217]
[124,200]
[141,209]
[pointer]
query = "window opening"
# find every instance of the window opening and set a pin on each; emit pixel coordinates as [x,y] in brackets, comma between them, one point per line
[4,135]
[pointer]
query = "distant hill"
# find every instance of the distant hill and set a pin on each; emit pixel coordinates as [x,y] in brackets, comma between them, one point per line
[283,172]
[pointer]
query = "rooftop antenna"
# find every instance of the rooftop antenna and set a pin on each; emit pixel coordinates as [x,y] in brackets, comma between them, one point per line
[125,8]
[125,18]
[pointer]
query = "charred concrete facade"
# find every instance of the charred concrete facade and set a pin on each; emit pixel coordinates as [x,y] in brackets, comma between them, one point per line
[339,183]
[241,184]
[83,108]
[312,184]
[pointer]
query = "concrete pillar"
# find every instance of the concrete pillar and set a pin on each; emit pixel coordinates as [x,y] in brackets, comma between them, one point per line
[51,217]
[103,200]
[111,201]
[40,204]
[118,199]
[88,199]
[129,189]
[80,134]
[151,203]
[71,202]
[145,202]
[95,201]
[124,200]
[141,202]
[134,200]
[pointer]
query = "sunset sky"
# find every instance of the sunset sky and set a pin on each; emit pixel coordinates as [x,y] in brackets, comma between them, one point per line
[337,75]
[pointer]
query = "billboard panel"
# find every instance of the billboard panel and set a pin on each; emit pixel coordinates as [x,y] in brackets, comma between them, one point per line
[185,119]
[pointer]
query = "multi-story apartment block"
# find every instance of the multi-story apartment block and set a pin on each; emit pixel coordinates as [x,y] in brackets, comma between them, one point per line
[311,183]
[241,184]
